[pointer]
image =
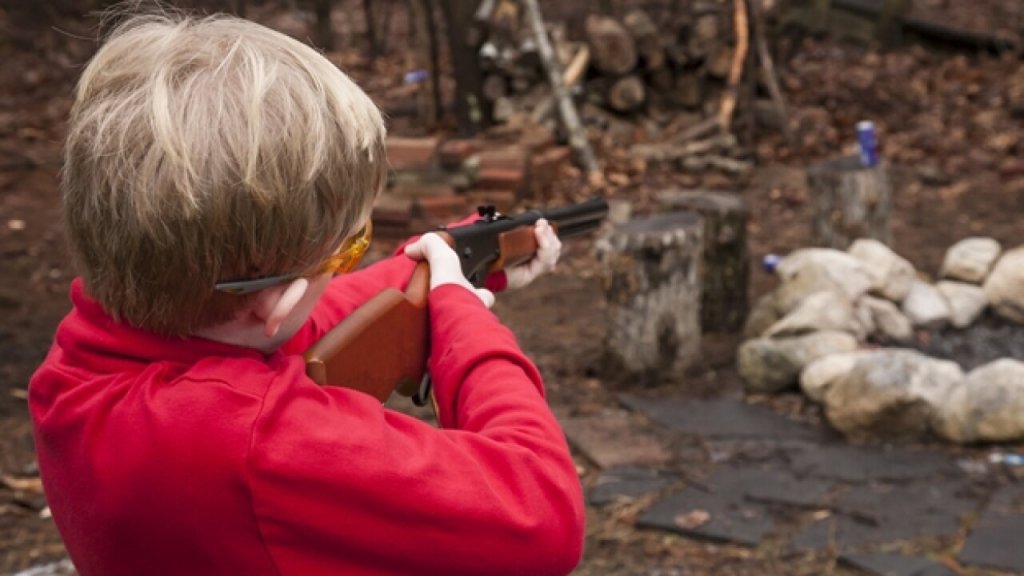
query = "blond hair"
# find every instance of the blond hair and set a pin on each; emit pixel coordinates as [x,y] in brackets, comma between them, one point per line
[208,149]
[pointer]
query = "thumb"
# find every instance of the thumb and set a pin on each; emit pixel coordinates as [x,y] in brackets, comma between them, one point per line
[485,295]
[416,250]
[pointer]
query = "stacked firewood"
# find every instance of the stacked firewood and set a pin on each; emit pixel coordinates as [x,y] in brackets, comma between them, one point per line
[625,64]
[633,66]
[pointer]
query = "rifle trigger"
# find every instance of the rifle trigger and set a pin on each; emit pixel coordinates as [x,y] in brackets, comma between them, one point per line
[422,395]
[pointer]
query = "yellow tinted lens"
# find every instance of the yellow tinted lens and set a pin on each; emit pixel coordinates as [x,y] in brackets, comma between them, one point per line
[350,252]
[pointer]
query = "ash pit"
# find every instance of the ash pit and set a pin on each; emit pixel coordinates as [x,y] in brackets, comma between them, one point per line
[987,339]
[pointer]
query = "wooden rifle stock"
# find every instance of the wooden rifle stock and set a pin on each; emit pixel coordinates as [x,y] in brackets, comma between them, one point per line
[383,345]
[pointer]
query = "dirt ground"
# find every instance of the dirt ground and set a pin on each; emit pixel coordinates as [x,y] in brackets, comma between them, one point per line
[949,123]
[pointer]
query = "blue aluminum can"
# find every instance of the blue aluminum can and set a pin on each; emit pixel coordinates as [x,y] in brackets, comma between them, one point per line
[868,143]
[415,76]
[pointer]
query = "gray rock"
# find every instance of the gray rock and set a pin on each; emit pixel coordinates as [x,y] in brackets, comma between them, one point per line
[796,288]
[889,322]
[970,259]
[774,364]
[893,393]
[821,311]
[842,269]
[764,313]
[966,301]
[817,376]
[865,317]
[1004,286]
[925,306]
[987,407]
[891,274]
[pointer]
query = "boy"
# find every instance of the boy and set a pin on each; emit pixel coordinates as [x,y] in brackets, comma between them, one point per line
[217,174]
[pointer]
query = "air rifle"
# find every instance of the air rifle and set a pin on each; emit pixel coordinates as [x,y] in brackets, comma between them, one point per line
[383,345]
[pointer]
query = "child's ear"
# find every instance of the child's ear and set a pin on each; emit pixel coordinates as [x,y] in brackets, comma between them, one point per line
[274,305]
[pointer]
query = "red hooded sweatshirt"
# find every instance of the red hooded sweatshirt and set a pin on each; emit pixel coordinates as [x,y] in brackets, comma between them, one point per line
[164,456]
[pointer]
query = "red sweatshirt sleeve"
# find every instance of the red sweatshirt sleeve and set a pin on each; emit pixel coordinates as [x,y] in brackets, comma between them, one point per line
[339,482]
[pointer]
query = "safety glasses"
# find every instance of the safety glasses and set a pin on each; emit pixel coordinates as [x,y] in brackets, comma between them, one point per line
[343,260]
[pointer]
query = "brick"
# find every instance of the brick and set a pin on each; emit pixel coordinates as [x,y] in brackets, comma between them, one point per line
[500,179]
[412,153]
[410,190]
[446,207]
[546,167]
[507,157]
[536,138]
[392,216]
[454,152]
[504,200]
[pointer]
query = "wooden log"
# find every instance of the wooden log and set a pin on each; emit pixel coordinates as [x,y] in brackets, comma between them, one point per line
[494,86]
[527,60]
[627,93]
[651,281]
[646,37]
[705,36]
[689,90]
[853,202]
[612,48]
[723,163]
[666,152]
[726,266]
[577,65]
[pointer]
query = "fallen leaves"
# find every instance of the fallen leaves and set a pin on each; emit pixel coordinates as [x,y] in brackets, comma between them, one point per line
[692,519]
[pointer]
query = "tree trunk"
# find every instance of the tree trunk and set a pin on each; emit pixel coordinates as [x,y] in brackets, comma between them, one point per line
[890,23]
[853,201]
[472,111]
[371,30]
[726,269]
[323,23]
[651,279]
[423,40]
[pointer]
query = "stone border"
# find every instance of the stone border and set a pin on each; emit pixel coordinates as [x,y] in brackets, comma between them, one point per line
[813,331]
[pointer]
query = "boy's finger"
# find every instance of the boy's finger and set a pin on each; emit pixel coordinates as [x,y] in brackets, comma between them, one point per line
[428,246]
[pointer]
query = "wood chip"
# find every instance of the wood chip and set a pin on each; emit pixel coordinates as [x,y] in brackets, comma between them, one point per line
[22,484]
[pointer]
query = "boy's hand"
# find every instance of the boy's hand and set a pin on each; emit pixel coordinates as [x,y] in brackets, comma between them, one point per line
[445,267]
[549,248]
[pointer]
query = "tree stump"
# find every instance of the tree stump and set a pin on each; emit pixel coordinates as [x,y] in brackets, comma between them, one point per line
[726,266]
[651,281]
[853,201]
